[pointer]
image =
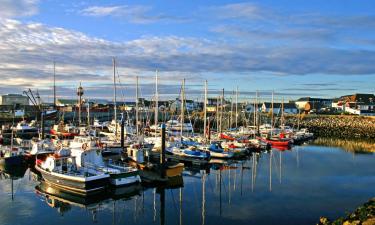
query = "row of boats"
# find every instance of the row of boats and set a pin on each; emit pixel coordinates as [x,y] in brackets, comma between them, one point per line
[81,165]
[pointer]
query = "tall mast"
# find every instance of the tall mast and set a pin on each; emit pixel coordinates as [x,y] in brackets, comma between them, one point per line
[282,113]
[236,107]
[205,111]
[217,113]
[114,94]
[156,102]
[256,112]
[222,110]
[54,83]
[231,111]
[182,106]
[136,107]
[272,115]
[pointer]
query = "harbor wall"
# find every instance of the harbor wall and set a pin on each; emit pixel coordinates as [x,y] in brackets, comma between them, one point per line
[346,127]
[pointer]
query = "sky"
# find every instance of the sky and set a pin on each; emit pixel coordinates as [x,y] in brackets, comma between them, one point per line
[296,48]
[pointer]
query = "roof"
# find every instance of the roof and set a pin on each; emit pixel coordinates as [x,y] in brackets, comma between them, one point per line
[364,98]
[310,99]
[278,105]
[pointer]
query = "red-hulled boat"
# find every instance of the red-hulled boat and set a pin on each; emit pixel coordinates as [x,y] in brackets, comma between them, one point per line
[226,137]
[277,141]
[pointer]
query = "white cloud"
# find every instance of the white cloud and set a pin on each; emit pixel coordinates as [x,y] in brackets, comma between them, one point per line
[28,49]
[140,14]
[18,8]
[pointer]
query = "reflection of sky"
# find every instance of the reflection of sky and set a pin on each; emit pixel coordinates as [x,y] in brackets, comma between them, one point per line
[315,181]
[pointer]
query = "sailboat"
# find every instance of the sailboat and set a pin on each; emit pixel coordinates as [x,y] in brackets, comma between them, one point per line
[181,149]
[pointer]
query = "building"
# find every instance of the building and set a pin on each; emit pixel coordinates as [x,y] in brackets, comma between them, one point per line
[289,108]
[14,99]
[309,104]
[190,105]
[359,104]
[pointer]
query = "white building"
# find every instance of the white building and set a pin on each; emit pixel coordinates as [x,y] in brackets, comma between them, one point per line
[14,99]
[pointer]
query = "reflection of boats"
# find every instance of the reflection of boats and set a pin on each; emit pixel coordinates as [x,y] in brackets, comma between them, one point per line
[63,201]
[12,173]
[282,148]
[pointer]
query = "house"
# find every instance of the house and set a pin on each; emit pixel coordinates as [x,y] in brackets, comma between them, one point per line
[359,104]
[309,104]
[14,99]
[289,108]
[190,105]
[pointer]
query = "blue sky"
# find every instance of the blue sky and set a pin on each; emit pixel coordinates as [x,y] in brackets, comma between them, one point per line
[294,47]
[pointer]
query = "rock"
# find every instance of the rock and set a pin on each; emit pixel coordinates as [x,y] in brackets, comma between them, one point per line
[370,221]
[323,221]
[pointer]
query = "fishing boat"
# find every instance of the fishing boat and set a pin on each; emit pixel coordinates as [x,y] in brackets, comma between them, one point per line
[61,170]
[64,131]
[26,130]
[88,155]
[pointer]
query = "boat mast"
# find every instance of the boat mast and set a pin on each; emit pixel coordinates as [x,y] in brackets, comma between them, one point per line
[182,106]
[136,107]
[114,94]
[282,114]
[88,112]
[272,116]
[205,111]
[156,103]
[54,84]
[231,111]
[217,113]
[236,107]
[221,110]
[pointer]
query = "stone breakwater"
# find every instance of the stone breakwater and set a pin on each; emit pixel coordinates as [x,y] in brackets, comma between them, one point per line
[346,127]
[363,215]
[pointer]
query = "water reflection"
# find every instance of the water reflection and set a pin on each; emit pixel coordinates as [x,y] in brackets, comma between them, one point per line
[293,186]
[356,146]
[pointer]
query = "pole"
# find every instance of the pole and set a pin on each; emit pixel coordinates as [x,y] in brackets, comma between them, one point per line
[42,124]
[162,157]
[122,130]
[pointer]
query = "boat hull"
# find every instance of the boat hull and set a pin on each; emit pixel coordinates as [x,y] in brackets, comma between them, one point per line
[75,186]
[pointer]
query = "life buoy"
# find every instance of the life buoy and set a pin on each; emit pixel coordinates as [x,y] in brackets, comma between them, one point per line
[84,146]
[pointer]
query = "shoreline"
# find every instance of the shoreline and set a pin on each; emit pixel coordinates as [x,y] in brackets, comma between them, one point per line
[364,214]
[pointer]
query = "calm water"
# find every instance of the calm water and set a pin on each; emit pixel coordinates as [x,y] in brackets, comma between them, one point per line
[309,182]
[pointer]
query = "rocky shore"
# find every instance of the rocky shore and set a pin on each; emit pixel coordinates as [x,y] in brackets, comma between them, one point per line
[363,215]
[346,127]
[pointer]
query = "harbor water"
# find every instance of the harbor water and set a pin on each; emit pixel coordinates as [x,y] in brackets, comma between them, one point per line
[294,186]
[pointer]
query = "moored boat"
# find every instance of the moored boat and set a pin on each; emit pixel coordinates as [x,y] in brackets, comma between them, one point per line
[61,171]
